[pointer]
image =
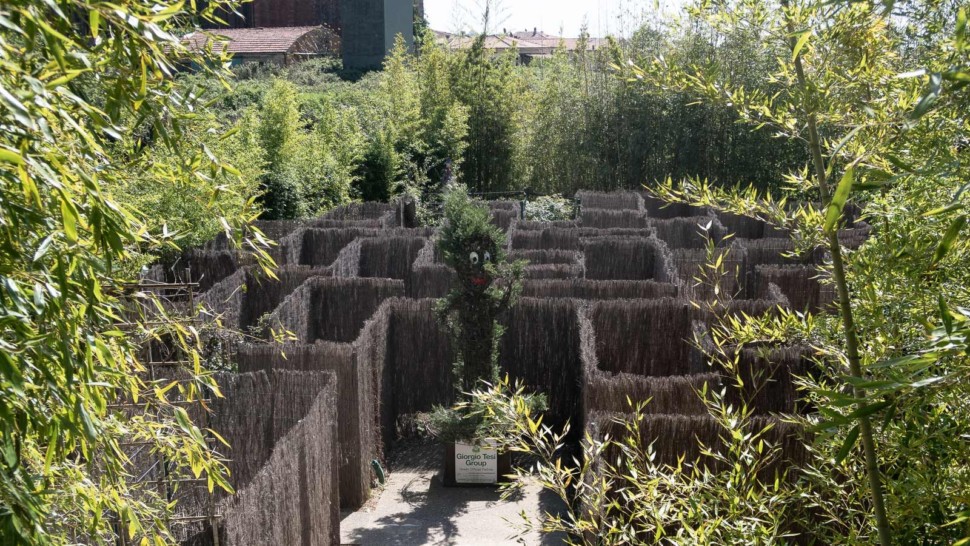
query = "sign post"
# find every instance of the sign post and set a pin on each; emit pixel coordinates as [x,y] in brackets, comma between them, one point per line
[470,465]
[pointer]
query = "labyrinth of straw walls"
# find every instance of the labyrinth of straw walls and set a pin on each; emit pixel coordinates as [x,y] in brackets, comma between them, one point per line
[606,315]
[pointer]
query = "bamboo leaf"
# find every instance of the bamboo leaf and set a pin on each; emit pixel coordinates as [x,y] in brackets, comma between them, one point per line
[866,411]
[848,444]
[94,19]
[839,199]
[802,40]
[949,238]
[11,156]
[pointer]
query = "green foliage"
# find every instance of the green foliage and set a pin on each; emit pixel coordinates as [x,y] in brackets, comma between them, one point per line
[308,170]
[549,208]
[88,102]
[472,418]
[887,410]
[615,492]
[495,96]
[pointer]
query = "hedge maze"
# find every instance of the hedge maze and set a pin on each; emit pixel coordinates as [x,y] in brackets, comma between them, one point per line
[606,314]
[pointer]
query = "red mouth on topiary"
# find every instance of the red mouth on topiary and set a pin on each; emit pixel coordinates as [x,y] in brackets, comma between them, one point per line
[479,281]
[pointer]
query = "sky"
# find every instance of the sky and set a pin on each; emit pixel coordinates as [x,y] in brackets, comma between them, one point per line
[561,17]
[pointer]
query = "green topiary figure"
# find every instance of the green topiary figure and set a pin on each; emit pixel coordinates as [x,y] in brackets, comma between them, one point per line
[486,285]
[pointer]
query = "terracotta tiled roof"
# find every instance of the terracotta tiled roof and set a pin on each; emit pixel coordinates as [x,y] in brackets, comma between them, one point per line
[528,42]
[253,40]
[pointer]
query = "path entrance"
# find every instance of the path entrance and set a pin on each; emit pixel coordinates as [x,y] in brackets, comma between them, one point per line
[414,508]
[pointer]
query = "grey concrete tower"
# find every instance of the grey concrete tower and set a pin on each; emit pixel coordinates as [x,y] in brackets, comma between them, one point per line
[369,29]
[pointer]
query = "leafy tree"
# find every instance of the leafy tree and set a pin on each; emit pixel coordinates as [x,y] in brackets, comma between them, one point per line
[308,170]
[489,86]
[75,78]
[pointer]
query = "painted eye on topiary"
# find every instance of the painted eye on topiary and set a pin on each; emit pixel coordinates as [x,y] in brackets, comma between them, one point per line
[488,256]
[473,258]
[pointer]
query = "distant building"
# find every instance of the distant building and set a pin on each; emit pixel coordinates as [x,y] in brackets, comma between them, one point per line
[530,44]
[370,27]
[365,29]
[283,13]
[269,45]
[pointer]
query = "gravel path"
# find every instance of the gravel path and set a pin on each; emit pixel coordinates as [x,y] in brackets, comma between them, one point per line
[414,508]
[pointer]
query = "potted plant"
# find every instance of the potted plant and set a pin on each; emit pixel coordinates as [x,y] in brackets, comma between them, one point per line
[486,285]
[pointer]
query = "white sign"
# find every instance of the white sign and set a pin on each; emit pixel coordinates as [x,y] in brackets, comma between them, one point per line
[475,464]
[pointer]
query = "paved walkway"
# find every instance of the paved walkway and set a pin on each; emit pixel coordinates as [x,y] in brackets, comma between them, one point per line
[414,508]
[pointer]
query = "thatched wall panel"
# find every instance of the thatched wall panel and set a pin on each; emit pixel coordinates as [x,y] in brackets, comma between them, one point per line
[301,479]
[800,284]
[556,238]
[627,258]
[660,210]
[620,200]
[374,376]
[687,232]
[263,295]
[543,257]
[503,219]
[769,378]
[675,436]
[421,357]
[354,412]
[554,271]
[646,337]
[390,257]
[541,346]
[598,290]
[333,309]
[607,218]
[226,299]
[693,268]
[342,306]
[531,225]
[243,417]
[673,394]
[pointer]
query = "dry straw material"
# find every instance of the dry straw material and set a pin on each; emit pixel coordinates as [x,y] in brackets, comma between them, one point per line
[660,210]
[677,394]
[541,347]
[676,436]
[556,238]
[770,376]
[554,271]
[418,376]
[598,290]
[627,258]
[646,337]
[390,257]
[700,278]
[621,200]
[688,232]
[606,218]
[544,257]
[245,297]
[429,277]
[293,499]
[504,219]
[332,309]
[355,413]
[802,285]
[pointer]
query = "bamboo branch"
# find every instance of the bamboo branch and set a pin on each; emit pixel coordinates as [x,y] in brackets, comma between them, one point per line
[845,302]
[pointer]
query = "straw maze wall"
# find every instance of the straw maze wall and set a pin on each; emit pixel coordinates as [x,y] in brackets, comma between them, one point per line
[605,315]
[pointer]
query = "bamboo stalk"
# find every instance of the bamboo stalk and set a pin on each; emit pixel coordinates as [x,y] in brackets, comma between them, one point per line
[845,303]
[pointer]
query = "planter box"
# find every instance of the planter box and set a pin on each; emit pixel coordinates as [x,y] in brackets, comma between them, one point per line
[468,465]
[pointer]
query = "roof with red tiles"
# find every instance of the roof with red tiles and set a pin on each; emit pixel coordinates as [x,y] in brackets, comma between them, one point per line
[253,41]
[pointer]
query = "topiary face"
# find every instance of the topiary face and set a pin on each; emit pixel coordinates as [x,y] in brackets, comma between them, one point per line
[477,269]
